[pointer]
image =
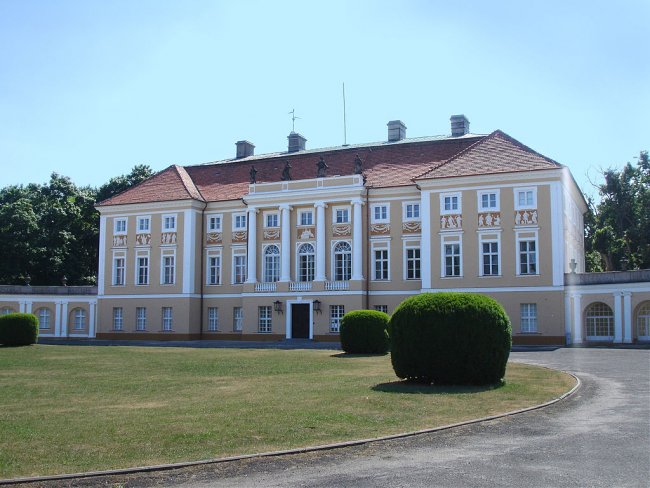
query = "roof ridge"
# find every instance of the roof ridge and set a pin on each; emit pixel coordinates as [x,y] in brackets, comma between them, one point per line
[524,146]
[186,180]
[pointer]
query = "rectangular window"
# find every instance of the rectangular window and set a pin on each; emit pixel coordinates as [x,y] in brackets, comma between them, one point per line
[239,268]
[169,223]
[213,319]
[271,220]
[118,318]
[527,257]
[214,223]
[265,323]
[167,320]
[120,226]
[450,203]
[214,270]
[342,261]
[271,264]
[79,319]
[336,314]
[118,271]
[381,308]
[380,213]
[411,211]
[341,216]
[237,318]
[141,318]
[488,201]
[168,270]
[413,263]
[381,264]
[490,258]
[306,217]
[306,262]
[44,318]
[525,198]
[143,270]
[144,225]
[528,317]
[452,259]
[239,221]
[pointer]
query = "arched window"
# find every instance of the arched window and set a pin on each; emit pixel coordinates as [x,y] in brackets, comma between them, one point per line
[271,264]
[79,318]
[599,322]
[43,315]
[342,261]
[643,322]
[6,310]
[306,259]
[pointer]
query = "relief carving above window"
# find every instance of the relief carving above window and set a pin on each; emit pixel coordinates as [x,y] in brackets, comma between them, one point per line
[411,227]
[239,236]
[168,238]
[271,234]
[526,217]
[214,238]
[451,221]
[143,239]
[489,219]
[307,233]
[379,229]
[340,230]
[119,241]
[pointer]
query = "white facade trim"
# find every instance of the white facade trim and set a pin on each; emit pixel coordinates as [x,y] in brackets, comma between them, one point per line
[289,316]
[557,233]
[189,250]
[102,255]
[425,244]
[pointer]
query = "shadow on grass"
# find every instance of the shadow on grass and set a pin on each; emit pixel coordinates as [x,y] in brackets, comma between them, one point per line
[413,387]
[345,355]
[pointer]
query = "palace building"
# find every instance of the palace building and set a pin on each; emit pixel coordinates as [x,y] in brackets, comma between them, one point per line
[281,246]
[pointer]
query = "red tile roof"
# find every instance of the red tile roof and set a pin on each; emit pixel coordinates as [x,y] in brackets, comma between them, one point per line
[384,165]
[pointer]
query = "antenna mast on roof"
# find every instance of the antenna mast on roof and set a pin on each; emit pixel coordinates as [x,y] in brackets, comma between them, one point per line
[345,131]
[293,119]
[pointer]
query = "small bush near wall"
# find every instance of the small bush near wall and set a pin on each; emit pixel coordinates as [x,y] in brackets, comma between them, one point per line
[451,339]
[18,329]
[364,332]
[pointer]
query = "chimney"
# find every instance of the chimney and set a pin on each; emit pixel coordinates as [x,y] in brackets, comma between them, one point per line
[296,142]
[459,125]
[396,130]
[245,149]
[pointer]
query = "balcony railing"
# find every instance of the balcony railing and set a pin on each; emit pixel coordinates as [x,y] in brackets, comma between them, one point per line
[270,286]
[300,286]
[337,285]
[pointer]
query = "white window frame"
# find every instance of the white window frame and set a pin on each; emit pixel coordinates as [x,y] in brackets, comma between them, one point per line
[336,314]
[121,255]
[239,252]
[239,218]
[140,318]
[525,236]
[237,319]
[485,237]
[381,308]
[214,222]
[380,246]
[165,222]
[213,253]
[79,318]
[413,205]
[384,210]
[479,199]
[166,254]
[408,245]
[142,254]
[213,319]
[44,324]
[448,239]
[525,206]
[167,316]
[333,260]
[265,319]
[116,223]
[528,315]
[276,271]
[138,224]
[451,211]
[298,263]
[343,208]
[271,215]
[300,217]
[118,318]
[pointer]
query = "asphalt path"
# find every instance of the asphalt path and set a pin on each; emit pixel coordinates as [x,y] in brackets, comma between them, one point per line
[600,436]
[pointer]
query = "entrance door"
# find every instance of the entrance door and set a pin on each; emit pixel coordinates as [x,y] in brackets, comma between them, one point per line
[300,320]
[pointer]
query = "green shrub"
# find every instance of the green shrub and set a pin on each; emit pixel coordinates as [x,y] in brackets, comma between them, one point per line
[364,332]
[18,329]
[450,338]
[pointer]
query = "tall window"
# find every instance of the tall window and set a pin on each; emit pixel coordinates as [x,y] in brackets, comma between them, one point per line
[168,270]
[527,257]
[342,261]
[239,268]
[265,323]
[167,319]
[599,321]
[413,263]
[528,317]
[381,264]
[271,264]
[490,258]
[44,318]
[213,319]
[118,318]
[143,270]
[214,270]
[643,321]
[452,259]
[237,318]
[306,217]
[79,317]
[306,260]
[336,314]
[141,318]
[118,271]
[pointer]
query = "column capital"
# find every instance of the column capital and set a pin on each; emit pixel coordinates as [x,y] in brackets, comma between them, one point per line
[252,209]
[618,293]
[626,293]
[319,204]
[357,201]
[285,206]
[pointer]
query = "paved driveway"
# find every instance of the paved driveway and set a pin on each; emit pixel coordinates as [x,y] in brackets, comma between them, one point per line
[598,437]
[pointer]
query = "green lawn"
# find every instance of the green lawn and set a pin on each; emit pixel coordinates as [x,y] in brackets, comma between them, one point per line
[69,409]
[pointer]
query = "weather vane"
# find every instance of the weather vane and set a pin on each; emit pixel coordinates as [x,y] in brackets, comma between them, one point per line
[293,119]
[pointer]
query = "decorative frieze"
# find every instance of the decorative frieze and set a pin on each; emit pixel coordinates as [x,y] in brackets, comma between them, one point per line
[526,217]
[214,238]
[168,238]
[342,230]
[305,233]
[411,227]
[119,241]
[489,219]
[239,236]
[379,229]
[143,239]
[451,221]
[271,234]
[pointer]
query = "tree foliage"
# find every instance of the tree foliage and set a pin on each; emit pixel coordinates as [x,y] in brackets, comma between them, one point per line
[52,230]
[618,228]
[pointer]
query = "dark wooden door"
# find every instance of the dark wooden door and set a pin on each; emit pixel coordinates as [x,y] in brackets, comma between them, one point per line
[300,321]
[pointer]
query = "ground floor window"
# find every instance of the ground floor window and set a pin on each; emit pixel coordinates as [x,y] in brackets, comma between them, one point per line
[6,310]
[79,318]
[167,320]
[336,314]
[43,318]
[599,321]
[213,319]
[140,318]
[118,318]
[237,318]
[265,319]
[528,313]
[643,321]
[381,308]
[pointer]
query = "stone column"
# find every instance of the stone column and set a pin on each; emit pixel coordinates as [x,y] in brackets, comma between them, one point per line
[618,317]
[57,320]
[321,251]
[627,316]
[64,319]
[577,319]
[251,269]
[91,319]
[285,243]
[425,239]
[357,240]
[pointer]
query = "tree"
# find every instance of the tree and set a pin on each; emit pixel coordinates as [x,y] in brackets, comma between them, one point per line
[139,173]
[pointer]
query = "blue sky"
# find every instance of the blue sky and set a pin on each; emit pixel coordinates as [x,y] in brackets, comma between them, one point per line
[90,88]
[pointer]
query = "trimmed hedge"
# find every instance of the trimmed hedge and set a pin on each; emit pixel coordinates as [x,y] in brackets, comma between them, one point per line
[451,339]
[18,329]
[364,332]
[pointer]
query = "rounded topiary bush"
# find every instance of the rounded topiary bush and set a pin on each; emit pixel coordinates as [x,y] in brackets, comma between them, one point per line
[18,329]
[364,332]
[450,339]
